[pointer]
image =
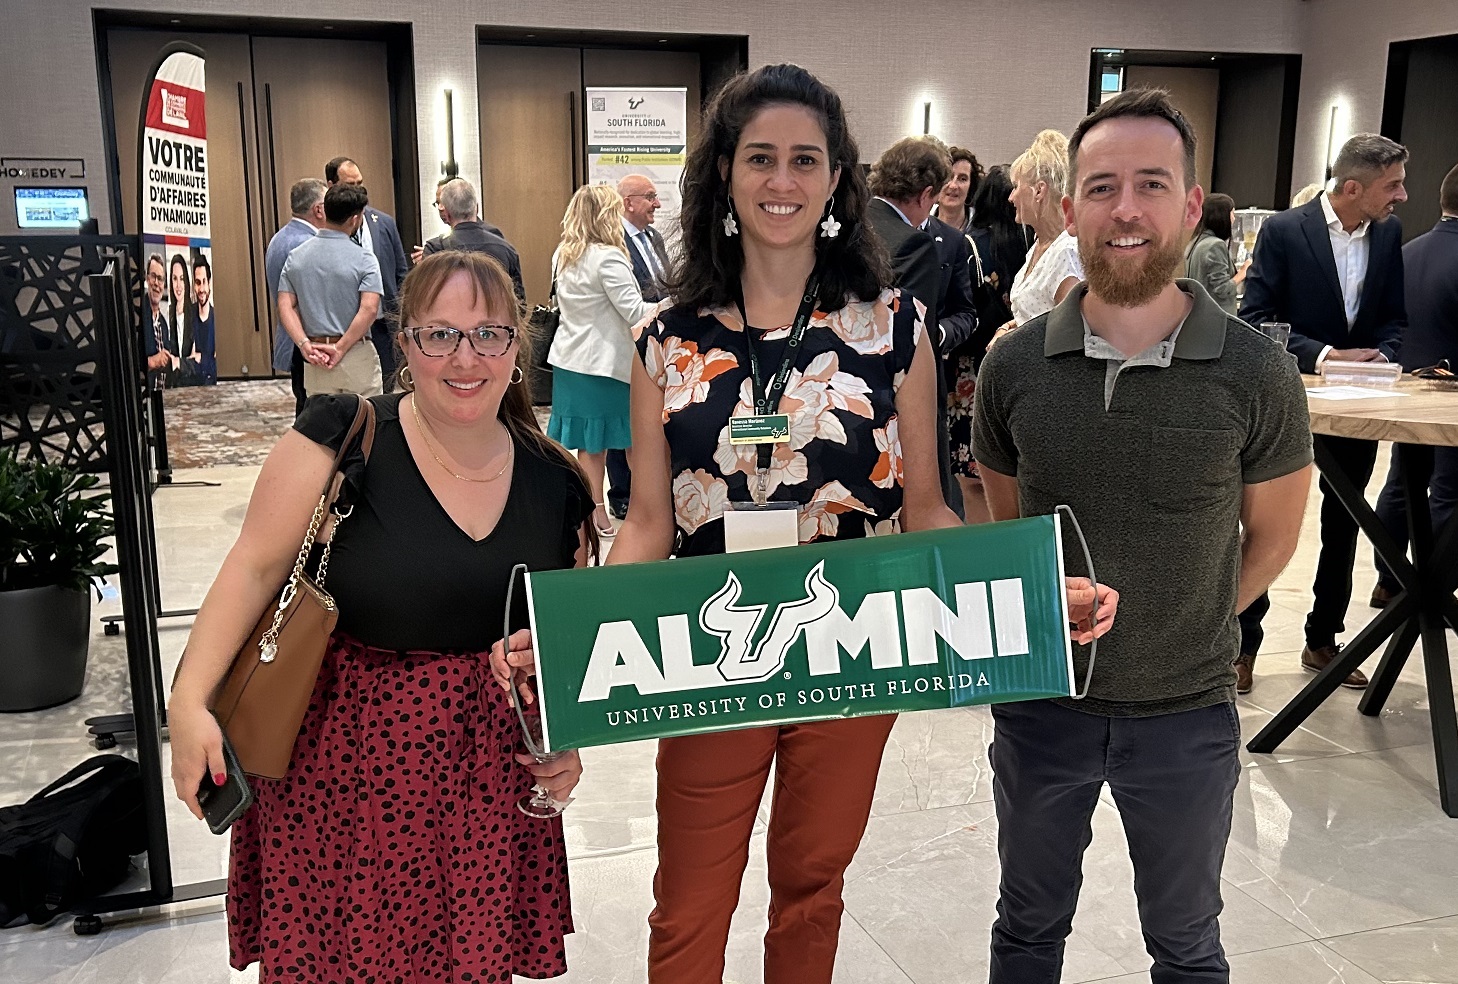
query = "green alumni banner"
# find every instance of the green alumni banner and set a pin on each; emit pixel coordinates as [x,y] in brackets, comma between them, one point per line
[910,622]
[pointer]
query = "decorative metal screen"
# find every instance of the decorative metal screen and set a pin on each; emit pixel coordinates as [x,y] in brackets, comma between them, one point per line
[50,383]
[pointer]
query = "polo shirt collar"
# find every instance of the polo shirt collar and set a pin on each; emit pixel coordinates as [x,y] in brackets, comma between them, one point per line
[1202,335]
[1334,222]
[332,234]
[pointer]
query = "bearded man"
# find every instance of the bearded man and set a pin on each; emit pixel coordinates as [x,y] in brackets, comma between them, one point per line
[1168,426]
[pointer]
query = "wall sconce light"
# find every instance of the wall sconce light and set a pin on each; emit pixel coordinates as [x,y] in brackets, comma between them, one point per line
[926,117]
[1330,140]
[449,167]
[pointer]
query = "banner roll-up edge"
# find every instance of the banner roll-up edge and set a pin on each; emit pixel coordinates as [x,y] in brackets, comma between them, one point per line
[541,691]
[1063,580]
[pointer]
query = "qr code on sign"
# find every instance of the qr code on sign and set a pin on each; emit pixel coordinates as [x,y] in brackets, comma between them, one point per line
[599,104]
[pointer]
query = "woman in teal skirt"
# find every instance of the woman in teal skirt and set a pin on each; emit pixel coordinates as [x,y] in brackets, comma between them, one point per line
[599,302]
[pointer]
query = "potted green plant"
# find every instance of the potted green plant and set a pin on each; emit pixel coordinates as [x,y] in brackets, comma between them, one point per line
[53,529]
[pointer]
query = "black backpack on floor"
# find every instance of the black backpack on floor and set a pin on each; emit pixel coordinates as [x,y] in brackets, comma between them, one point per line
[72,841]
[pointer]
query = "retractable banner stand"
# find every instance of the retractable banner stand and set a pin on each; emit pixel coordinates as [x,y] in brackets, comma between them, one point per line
[910,622]
[178,318]
[639,131]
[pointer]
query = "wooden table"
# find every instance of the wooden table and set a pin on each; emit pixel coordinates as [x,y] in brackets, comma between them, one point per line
[1419,416]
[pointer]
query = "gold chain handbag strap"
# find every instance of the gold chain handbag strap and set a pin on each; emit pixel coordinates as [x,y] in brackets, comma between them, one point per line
[363,428]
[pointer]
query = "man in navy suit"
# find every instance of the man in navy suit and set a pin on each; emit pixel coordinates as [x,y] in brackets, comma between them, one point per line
[379,235]
[1332,269]
[650,268]
[1431,266]
[906,181]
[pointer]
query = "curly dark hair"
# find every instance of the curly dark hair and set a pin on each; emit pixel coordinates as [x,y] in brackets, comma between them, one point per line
[963,154]
[853,265]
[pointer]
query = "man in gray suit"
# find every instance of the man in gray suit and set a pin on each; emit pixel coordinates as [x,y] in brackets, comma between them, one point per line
[306,202]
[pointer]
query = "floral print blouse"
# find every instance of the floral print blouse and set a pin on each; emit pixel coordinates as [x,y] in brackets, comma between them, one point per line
[842,465]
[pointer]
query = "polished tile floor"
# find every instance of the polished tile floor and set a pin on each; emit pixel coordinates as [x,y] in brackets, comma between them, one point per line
[1341,866]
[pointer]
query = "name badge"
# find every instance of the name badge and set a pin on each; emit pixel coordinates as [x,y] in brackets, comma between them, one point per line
[756,526]
[772,428]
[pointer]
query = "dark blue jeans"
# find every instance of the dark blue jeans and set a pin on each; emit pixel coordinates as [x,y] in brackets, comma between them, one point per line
[1173,778]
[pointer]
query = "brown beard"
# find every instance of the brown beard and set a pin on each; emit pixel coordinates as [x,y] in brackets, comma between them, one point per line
[1123,286]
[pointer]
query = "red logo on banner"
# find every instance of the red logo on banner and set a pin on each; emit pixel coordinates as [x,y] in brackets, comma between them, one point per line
[176,109]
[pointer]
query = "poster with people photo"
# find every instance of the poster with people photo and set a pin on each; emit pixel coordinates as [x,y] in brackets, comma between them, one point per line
[179,334]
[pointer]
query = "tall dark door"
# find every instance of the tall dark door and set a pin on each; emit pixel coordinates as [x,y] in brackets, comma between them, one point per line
[532,156]
[1420,114]
[277,109]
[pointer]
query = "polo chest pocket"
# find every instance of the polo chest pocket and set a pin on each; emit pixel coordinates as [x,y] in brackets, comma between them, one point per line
[1191,470]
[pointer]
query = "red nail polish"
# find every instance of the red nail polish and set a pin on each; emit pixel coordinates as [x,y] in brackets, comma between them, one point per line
[220,779]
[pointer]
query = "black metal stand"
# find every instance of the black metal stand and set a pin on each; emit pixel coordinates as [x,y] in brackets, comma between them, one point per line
[1422,609]
[137,555]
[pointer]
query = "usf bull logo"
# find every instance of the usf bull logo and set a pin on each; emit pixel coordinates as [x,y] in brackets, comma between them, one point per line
[900,628]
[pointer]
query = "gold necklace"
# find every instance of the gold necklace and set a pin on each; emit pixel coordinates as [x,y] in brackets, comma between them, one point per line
[430,446]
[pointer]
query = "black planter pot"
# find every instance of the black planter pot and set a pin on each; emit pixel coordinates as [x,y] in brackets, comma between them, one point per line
[43,646]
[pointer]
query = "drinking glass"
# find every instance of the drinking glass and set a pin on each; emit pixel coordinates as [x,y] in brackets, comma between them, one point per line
[1277,331]
[538,803]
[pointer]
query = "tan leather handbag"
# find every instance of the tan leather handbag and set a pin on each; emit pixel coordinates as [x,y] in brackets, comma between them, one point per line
[262,703]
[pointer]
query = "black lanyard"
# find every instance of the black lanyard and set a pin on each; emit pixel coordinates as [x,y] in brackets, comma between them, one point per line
[766,402]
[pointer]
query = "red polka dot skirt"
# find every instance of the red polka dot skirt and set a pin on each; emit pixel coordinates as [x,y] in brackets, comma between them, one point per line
[393,850]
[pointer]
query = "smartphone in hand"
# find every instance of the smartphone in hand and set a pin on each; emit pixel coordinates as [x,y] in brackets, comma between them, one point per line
[222,805]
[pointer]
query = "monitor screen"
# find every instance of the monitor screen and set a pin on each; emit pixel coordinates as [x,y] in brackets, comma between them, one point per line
[51,208]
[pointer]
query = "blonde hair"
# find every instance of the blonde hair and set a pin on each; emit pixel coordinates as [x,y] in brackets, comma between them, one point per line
[1305,195]
[1046,160]
[594,216]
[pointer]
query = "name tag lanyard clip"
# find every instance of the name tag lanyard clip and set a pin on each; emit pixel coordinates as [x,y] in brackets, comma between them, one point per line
[767,401]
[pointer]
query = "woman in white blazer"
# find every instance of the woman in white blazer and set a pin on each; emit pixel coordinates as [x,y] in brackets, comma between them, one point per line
[599,302]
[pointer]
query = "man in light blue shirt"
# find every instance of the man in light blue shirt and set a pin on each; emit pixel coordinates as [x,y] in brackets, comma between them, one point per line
[306,201]
[328,297]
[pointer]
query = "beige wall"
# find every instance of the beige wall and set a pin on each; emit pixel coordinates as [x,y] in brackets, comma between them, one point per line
[1344,64]
[996,73]
[1000,77]
[1196,93]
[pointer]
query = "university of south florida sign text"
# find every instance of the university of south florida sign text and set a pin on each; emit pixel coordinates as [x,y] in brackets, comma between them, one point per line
[916,621]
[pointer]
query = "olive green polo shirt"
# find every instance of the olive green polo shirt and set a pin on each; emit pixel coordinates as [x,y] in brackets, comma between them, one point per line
[1153,455]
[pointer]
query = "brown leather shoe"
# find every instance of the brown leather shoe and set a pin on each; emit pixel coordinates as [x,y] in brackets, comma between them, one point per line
[1382,597]
[1317,660]
[1244,673]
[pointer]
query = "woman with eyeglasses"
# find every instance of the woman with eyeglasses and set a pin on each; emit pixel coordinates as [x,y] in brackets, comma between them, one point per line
[598,302]
[393,848]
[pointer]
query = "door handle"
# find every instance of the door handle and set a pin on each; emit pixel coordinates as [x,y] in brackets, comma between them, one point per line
[248,204]
[572,134]
[272,163]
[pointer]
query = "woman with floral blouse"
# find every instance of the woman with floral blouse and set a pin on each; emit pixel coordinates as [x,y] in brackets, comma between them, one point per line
[779,269]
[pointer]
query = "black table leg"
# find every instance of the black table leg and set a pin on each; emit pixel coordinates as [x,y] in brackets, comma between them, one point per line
[1290,717]
[1355,500]
[1423,609]
[1380,687]
[1434,563]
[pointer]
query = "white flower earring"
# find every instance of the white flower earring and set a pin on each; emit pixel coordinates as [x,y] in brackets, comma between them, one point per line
[731,227]
[830,228]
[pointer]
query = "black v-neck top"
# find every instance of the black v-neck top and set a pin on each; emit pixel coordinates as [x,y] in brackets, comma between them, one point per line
[405,576]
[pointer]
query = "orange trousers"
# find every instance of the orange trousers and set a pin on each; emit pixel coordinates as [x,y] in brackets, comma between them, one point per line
[709,790]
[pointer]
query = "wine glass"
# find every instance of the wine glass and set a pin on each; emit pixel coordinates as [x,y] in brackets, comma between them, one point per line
[539,802]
